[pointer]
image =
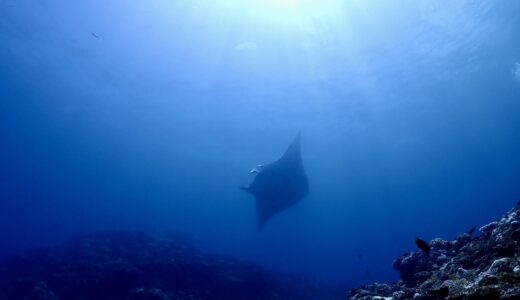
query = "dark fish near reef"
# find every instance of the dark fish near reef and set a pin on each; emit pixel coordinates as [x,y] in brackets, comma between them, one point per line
[422,245]
[472,230]
[279,185]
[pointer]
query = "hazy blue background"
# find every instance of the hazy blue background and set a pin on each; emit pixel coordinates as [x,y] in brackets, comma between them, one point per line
[409,111]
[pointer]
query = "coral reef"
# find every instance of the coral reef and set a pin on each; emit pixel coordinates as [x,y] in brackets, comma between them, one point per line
[486,266]
[138,266]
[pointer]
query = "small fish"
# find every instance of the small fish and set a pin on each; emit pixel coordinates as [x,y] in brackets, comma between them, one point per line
[257,169]
[95,35]
[472,230]
[421,244]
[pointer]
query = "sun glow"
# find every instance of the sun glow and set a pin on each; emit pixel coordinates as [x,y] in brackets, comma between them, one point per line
[285,3]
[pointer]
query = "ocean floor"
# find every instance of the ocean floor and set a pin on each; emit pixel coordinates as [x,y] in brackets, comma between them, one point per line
[483,264]
[130,265]
[480,264]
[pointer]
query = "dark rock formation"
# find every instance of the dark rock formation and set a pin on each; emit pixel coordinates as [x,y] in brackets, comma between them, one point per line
[470,267]
[138,266]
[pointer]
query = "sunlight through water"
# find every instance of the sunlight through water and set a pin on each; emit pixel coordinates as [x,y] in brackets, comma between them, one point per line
[149,115]
[285,2]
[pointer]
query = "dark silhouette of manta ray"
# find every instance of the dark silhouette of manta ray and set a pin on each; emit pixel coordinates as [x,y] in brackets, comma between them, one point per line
[279,185]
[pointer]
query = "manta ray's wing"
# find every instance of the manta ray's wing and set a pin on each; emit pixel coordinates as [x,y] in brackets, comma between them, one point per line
[293,154]
[279,185]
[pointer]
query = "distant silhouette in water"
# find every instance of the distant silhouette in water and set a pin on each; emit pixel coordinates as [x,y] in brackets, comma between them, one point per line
[279,185]
[471,231]
[421,244]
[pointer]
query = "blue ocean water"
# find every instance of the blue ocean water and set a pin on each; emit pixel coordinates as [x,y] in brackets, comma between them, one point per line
[149,115]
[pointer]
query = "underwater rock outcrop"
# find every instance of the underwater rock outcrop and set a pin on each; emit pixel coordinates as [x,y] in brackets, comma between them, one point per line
[486,266]
[138,266]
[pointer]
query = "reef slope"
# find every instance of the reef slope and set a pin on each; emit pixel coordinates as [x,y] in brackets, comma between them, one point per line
[485,266]
[129,265]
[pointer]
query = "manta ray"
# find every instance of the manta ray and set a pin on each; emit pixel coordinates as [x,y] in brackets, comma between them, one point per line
[279,185]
